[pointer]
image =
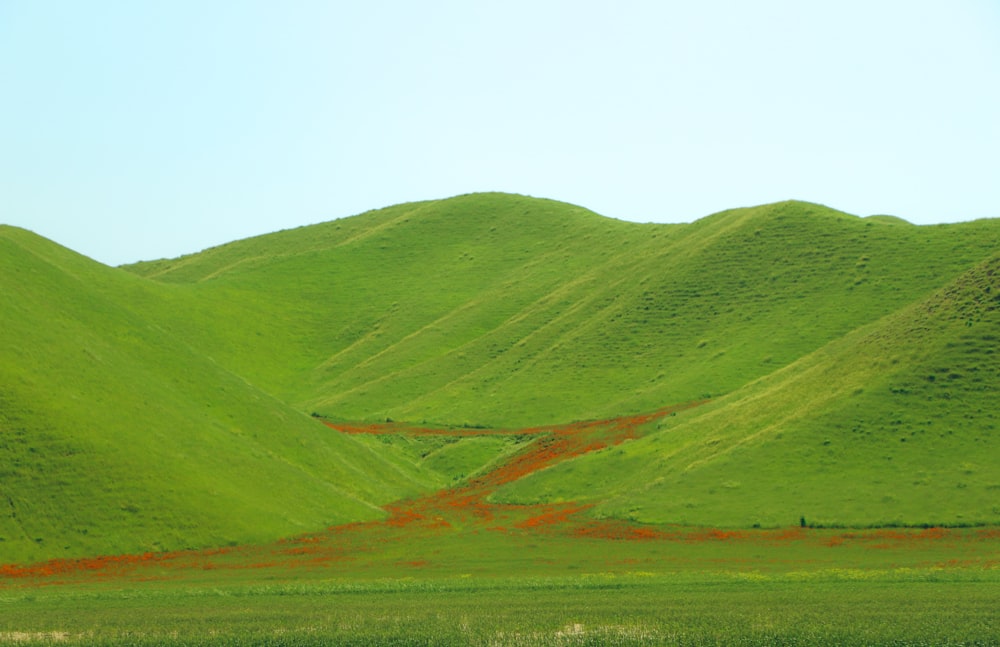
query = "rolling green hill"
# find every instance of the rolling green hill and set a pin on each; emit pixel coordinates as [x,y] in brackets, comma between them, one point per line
[502,310]
[893,424]
[165,404]
[119,436]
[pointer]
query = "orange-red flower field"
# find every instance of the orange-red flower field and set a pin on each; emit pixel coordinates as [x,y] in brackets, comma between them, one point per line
[460,530]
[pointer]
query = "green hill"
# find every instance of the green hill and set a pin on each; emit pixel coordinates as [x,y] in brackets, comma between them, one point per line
[502,310]
[892,424]
[166,404]
[119,436]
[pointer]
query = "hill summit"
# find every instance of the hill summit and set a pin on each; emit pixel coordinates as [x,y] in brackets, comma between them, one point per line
[848,364]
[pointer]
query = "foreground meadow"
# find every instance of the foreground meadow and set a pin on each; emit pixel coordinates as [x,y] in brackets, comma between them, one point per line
[842,607]
[456,567]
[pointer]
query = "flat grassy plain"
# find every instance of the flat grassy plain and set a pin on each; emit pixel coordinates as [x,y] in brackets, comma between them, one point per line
[838,608]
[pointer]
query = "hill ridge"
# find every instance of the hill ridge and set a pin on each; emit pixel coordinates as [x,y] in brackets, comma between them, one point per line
[491,310]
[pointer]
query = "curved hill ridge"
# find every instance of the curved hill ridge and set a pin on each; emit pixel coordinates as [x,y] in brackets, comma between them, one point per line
[458,310]
[165,404]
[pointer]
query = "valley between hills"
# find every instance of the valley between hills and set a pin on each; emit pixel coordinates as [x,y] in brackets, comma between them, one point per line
[466,407]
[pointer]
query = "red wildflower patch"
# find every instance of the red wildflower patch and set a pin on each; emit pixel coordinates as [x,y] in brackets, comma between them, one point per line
[416,563]
[464,507]
[554,515]
[619,530]
[435,512]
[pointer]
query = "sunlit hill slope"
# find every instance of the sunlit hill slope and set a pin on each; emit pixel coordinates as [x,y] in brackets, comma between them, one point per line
[849,361]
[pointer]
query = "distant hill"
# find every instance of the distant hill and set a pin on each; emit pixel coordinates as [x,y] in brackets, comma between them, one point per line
[849,362]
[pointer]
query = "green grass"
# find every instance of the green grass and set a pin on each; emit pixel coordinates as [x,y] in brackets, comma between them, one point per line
[494,581]
[829,608]
[445,461]
[165,405]
[118,436]
[892,424]
[508,311]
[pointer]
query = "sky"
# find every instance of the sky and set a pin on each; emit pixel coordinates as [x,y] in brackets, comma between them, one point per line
[142,130]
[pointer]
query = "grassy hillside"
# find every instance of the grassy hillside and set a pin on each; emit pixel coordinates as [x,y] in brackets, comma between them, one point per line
[894,423]
[503,310]
[167,404]
[116,435]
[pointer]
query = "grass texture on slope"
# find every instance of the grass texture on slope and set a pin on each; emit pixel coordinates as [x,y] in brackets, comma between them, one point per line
[503,310]
[166,405]
[893,424]
[117,436]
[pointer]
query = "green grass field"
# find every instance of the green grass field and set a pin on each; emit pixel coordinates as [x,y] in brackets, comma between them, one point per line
[894,608]
[495,419]
[454,567]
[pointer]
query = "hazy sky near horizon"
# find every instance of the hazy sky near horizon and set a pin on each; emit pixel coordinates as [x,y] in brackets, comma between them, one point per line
[140,130]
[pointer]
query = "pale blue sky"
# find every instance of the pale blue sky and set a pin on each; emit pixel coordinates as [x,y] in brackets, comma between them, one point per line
[137,130]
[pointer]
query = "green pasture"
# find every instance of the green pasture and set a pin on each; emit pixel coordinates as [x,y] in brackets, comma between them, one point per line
[825,608]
